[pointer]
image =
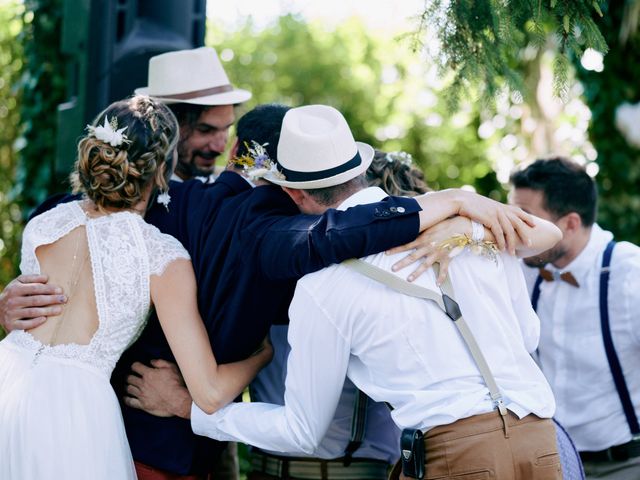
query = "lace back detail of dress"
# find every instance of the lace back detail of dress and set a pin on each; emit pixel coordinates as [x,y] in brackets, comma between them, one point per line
[124,252]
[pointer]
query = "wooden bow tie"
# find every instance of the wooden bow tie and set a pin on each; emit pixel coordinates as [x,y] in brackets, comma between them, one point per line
[549,276]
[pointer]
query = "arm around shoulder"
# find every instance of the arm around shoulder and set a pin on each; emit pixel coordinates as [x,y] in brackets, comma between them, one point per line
[211,385]
[288,247]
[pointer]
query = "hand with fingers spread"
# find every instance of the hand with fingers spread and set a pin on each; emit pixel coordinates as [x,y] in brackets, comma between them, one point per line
[530,240]
[27,301]
[426,247]
[159,390]
[507,223]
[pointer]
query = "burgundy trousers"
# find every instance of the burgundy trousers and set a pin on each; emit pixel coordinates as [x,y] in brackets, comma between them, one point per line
[145,472]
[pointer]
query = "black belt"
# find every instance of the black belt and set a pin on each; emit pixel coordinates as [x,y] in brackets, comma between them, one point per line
[618,453]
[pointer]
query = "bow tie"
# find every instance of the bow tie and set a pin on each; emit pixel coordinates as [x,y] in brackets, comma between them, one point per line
[550,276]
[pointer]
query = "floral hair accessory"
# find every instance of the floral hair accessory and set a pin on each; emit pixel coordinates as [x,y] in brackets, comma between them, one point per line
[402,157]
[457,243]
[109,132]
[164,199]
[256,162]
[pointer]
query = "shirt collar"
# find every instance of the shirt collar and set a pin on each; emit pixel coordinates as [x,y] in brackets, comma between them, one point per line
[584,262]
[210,179]
[364,196]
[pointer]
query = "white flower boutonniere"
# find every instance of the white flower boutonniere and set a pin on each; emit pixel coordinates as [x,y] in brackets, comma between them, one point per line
[109,132]
[164,199]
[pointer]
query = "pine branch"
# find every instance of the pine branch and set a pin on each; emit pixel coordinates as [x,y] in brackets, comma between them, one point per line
[481,40]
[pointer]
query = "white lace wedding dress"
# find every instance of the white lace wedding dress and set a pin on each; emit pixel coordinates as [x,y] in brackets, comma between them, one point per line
[59,417]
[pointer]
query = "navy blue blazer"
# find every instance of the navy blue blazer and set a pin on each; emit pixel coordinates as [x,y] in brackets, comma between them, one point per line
[248,248]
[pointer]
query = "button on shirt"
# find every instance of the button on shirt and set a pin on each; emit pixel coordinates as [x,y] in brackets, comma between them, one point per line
[571,351]
[395,348]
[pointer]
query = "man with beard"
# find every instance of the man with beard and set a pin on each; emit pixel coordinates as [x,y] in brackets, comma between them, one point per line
[196,88]
[585,292]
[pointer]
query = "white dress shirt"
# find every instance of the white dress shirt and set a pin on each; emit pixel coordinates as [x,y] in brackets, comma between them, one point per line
[571,351]
[381,439]
[396,348]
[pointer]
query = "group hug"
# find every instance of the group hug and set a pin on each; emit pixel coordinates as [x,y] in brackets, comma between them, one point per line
[383,330]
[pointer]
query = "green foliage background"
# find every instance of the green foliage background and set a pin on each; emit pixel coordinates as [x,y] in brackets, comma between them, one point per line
[11,63]
[389,100]
[484,44]
[43,87]
[32,83]
[480,41]
[619,177]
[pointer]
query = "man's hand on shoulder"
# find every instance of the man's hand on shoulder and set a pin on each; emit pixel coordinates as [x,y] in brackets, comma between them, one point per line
[27,301]
[158,390]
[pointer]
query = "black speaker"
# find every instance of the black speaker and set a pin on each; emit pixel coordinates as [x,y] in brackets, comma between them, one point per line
[108,44]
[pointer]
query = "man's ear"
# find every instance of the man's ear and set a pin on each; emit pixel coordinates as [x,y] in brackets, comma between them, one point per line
[573,222]
[296,195]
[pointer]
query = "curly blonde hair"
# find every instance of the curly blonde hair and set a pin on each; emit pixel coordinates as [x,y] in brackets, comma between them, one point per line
[116,177]
[395,176]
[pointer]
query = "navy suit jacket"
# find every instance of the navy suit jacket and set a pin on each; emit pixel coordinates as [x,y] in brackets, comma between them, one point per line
[248,248]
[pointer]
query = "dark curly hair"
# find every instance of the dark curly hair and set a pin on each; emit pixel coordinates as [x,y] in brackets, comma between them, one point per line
[116,176]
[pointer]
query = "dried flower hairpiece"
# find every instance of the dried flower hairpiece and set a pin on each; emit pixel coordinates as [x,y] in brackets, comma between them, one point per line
[457,243]
[256,162]
[109,132]
[401,157]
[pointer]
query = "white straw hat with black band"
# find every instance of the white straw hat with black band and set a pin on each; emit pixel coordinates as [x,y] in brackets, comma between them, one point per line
[191,76]
[316,149]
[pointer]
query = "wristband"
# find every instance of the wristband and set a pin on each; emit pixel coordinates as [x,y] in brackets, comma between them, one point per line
[477,231]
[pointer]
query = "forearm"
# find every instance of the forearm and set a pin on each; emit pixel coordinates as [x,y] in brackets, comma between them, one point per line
[505,221]
[211,385]
[291,247]
[159,388]
[438,206]
[537,239]
[541,237]
[263,425]
[228,382]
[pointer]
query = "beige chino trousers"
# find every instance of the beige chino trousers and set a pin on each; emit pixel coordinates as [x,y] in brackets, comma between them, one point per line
[481,447]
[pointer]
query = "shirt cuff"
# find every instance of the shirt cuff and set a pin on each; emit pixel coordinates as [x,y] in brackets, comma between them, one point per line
[204,424]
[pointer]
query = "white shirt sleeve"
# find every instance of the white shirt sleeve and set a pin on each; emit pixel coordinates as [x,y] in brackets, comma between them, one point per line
[528,320]
[316,370]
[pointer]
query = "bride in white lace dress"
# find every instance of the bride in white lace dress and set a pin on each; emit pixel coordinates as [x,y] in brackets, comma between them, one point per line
[59,417]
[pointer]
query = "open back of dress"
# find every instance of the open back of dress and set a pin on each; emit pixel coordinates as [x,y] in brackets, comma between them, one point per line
[67,263]
[59,416]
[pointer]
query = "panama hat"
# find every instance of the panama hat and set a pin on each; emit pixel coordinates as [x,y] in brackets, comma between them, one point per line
[191,76]
[317,150]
